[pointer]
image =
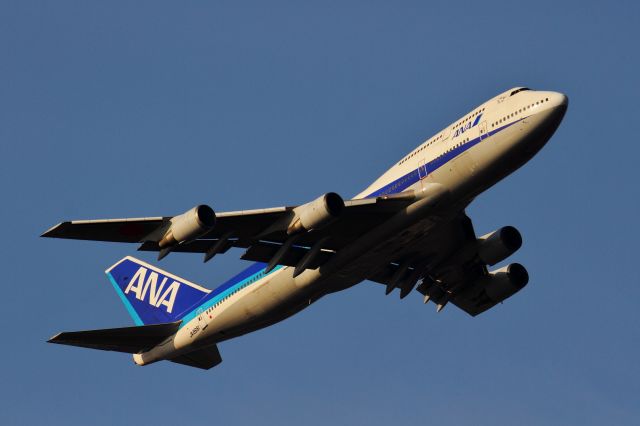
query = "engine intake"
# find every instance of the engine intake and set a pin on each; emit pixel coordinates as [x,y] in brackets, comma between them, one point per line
[505,282]
[316,214]
[189,225]
[498,245]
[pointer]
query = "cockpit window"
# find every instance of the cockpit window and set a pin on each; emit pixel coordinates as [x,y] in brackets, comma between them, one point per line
[522,89]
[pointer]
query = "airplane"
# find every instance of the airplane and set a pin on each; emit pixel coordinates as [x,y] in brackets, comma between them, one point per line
[408,230]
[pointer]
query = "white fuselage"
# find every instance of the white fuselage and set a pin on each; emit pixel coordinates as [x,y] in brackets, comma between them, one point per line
[461,161]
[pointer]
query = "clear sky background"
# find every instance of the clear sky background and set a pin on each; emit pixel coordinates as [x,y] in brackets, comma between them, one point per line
[120,109]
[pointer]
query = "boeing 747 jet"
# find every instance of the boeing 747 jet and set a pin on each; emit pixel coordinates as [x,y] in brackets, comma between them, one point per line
[408,230]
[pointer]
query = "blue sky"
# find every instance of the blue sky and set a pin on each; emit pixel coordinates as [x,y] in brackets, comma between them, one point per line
[123,109]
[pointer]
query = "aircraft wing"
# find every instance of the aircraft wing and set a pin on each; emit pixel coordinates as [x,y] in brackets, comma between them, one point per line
[449,267]
[260,231]
[244,224]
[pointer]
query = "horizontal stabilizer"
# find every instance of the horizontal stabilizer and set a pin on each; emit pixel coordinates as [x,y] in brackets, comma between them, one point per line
[126,339]
[205,358]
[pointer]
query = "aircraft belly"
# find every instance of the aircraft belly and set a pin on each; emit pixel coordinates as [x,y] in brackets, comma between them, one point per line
[284,296]
[266,304]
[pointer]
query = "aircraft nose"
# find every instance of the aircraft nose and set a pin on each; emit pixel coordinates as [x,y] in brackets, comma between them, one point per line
[555,107]
[559,100]
[550,116]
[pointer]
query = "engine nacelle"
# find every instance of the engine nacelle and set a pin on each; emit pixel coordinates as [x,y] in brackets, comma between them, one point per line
[189,226]
[316,214]
[498,245]
[505,282]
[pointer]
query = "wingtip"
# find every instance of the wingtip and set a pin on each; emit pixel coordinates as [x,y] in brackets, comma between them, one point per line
[50,233]
[52,339]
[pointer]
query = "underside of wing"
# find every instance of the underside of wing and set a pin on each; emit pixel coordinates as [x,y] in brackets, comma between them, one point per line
[451,266]
[325,225]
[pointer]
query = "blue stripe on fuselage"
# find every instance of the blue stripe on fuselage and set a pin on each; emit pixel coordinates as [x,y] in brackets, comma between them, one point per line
[413,176]
[247,273]
[247,277]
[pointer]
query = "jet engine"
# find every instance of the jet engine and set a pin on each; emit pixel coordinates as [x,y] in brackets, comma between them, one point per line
[498,245]
[189,226]
[316,214]
[505,282]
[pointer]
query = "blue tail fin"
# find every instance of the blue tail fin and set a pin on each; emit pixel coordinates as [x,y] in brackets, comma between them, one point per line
[151,295]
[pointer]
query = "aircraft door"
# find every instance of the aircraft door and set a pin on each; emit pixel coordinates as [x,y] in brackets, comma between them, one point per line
[422,170]
[483,130]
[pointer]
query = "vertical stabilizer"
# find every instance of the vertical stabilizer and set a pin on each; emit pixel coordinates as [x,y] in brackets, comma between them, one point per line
[151,295]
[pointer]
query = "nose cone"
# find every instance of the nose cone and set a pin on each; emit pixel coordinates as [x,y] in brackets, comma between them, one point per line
[560,103]
[559,100]
[546,121]
[554,108]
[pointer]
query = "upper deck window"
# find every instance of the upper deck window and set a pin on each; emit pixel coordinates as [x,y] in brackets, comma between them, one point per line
[522,89]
